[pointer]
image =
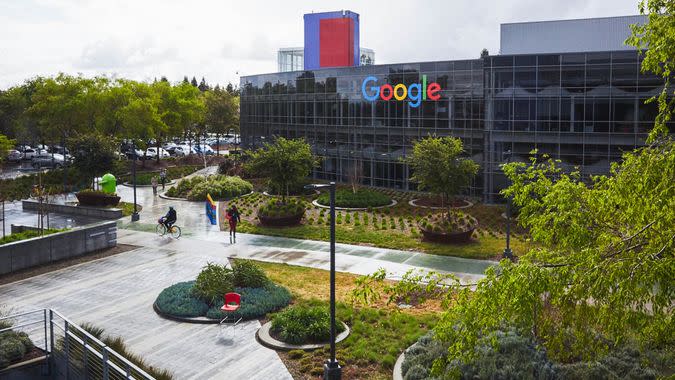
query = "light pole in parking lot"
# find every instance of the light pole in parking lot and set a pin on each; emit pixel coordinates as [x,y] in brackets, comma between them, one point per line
[331,368]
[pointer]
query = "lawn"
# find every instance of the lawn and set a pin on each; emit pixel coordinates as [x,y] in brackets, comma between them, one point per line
[393,227]
[378,335]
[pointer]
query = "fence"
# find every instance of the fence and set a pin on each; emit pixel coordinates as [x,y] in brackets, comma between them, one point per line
[68,350]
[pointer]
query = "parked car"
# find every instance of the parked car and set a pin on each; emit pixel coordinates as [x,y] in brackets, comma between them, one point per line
[152,153]
[30,153]
[130,153]
[204,149]
[58,149]
[48,160]
[184,150]
[14,155]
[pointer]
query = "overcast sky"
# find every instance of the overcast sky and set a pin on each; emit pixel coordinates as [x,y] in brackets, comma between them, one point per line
[221,40]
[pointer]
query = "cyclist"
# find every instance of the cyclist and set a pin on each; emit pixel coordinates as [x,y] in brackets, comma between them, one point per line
[169,219]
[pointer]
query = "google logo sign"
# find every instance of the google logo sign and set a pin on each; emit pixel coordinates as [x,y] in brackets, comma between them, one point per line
[415,92]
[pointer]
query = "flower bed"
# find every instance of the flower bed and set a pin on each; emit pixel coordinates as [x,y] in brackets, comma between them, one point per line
[455,227]
[200,300]
[220,187]
[363,198]
[278,213]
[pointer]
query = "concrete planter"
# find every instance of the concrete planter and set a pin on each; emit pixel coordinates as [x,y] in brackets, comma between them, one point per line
[97,200]
[283,221]
[447,238]
[58,246]
[71,209]
[265,338]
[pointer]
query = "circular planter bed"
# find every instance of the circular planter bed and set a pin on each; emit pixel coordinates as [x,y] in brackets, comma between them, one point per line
[435,204]
[220,187]
[266,339]
[283,221]
[308,192]
[177,302]
[274,213]
[317,204]
[363,199]
[456,229]
[130,184]
[97,199]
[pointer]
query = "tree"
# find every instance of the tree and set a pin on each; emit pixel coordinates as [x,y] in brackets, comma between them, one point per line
[203,86]
[186,80]
[484,53]
[221,113]
[654,40]
[193,82]
[5,145]
[286,162]
[437,166]
[94,154]
[164,79]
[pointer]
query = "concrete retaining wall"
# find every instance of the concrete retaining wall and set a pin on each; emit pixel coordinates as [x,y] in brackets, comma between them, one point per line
[94,212]
[54,247]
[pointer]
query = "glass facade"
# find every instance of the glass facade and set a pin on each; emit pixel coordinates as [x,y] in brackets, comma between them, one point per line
[582,108]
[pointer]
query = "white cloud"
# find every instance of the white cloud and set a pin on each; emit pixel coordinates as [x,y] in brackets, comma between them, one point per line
[216,39]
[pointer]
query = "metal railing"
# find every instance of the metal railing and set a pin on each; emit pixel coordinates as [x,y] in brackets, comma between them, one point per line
[70,351]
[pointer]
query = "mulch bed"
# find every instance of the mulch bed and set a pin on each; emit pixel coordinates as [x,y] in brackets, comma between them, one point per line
[38,270]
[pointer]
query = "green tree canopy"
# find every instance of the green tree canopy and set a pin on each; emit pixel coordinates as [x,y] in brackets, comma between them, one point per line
[437,166]
[656,40]
[286,162]
[5,145]
[221,112]
[94,154]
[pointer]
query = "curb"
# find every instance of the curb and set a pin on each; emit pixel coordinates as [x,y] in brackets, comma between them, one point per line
[129,184]
[316,192]
[398,367]
[164,196]
[392,204]
[263,336]
[467,205]
[196,320]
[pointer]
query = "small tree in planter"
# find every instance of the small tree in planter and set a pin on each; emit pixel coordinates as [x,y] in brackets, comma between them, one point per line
[286,162]
[437,167]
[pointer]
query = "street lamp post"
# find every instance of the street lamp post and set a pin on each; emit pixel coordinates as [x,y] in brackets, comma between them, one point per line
[331,368]
[134,217]
[508,254]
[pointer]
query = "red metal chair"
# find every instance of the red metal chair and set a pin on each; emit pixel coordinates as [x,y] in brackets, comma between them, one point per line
[232,302]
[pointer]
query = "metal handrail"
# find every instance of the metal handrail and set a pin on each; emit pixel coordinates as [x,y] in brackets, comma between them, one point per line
[86,343]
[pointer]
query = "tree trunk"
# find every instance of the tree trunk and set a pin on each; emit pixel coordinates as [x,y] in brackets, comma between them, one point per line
[217,144]
[158,148]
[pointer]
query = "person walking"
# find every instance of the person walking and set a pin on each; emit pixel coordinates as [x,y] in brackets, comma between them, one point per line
[233,218]
[162,177]
[153,182]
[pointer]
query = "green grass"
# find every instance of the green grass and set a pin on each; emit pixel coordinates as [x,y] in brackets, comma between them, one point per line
[486,247]
[29,234]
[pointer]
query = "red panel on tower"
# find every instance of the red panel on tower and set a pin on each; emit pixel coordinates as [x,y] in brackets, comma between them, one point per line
[336,42]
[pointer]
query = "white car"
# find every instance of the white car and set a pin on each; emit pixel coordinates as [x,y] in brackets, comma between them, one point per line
[152,152]
[184,150]
[30,153]
[48,160]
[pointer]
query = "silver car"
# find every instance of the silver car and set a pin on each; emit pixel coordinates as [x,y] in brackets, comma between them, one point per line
[14,156]
[48,161]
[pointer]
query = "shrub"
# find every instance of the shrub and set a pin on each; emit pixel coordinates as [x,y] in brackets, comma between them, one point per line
[183,187]
[302,324]
[213,282]
[220,188]
[13,346]
[624,363]
[179,300]
[255,302]
[28,234]
[249,275]
[363,198]
[96,192]
[452,222]
[276,208]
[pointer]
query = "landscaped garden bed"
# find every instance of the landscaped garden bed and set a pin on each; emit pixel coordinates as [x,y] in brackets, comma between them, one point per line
[28,234]
[200,301]
[279,213]
[399,224]
[220,187]
[172,173]
[363,198]
[435,202]
[378,333]
[16,347]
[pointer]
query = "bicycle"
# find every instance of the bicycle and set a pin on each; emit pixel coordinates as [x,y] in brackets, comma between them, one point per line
[161,230]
